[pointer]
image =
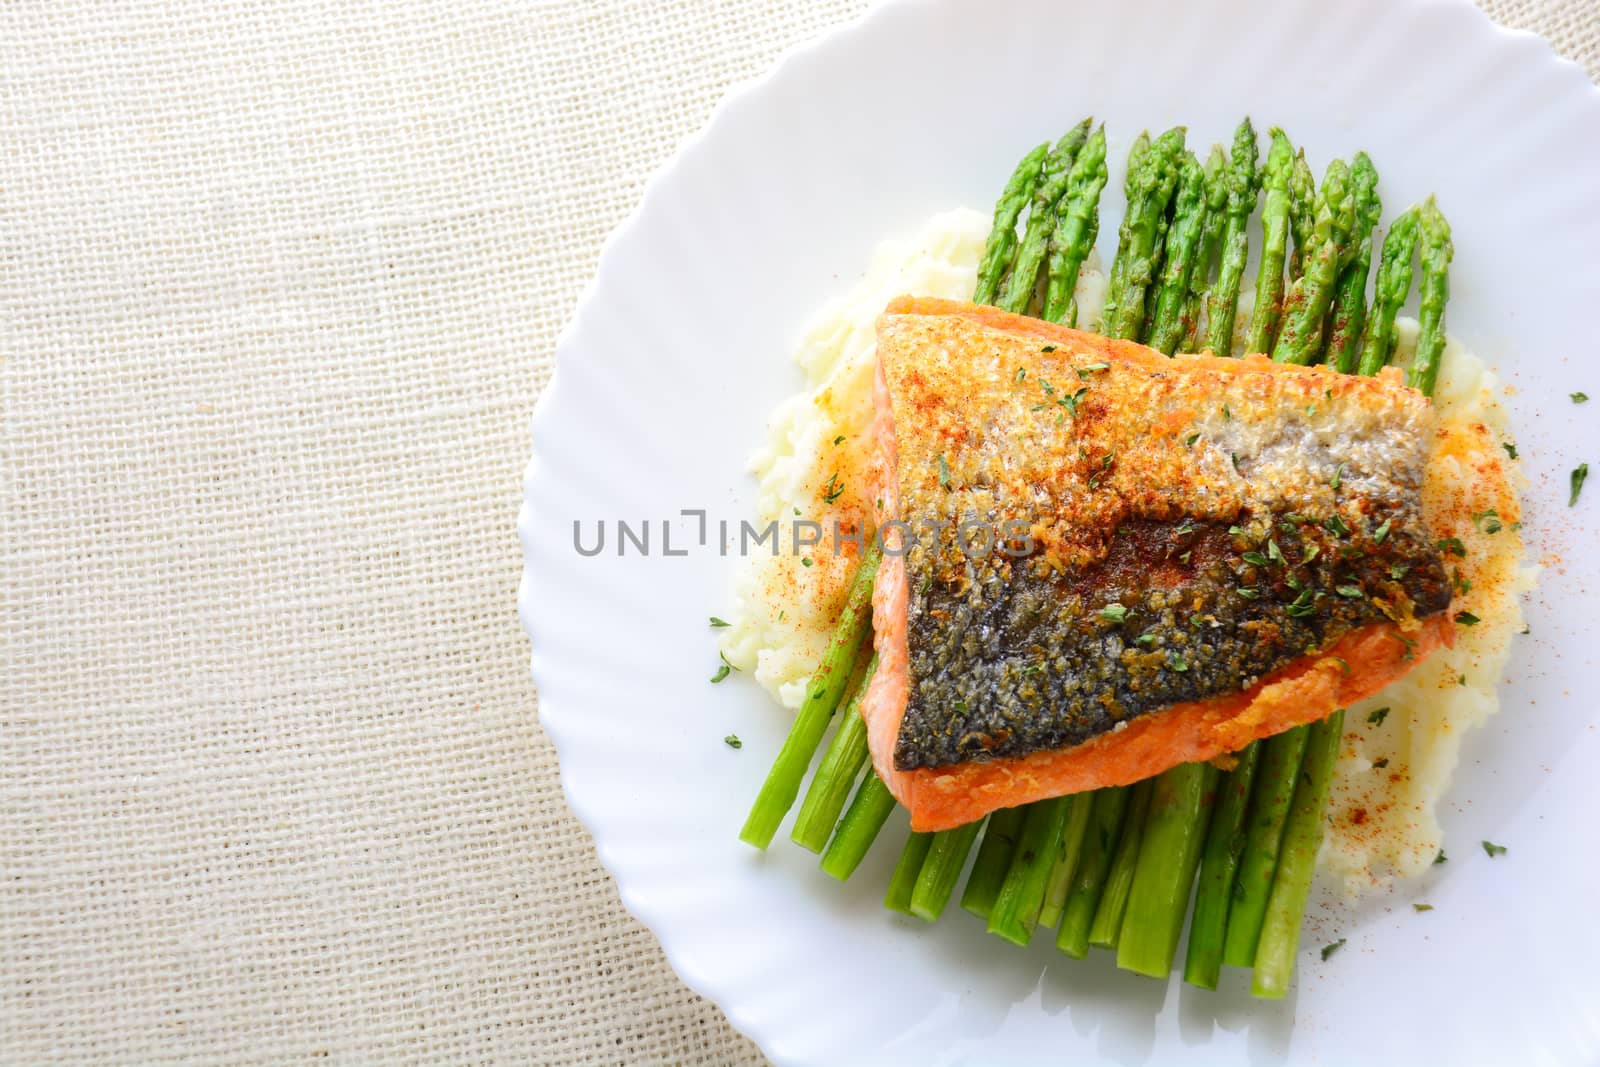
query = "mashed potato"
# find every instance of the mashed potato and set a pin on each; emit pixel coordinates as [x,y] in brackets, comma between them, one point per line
[1395,764]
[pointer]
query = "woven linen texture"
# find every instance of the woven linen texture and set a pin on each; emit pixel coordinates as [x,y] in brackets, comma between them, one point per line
[279,285]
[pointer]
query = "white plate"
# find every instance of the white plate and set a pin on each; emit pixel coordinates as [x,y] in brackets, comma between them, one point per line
[681,346]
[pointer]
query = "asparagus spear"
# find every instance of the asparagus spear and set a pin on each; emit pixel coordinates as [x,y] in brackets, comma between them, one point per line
[1244,188]
[1016,909]
[1107,925]
[1077,225]
[1180,808]
[1002,242]
[1274,242]
[1302,837]
[1224,844]
[1106,814]
[1060,880]
[1350,302]
[827,685]
[904,880]
[841,766]
[1137,155]
[1151,186]
[869,810]
[1210,243]
[1302,211]
[1269,806]
[1390,290]
[1183,242]
[1327,250]
[1054,180]
[941,869]
[1437,251]
[993,860]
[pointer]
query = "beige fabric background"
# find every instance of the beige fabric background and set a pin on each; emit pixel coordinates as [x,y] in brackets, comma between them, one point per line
[279,284]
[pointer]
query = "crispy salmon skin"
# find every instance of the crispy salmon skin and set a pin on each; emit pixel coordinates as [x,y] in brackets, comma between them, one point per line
[1104,562]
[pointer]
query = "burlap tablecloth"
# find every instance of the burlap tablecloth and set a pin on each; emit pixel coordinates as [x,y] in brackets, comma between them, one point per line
[279,286]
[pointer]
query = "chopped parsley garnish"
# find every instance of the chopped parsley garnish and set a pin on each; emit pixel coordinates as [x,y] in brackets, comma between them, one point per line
[1338,477]
[1113,613]
[1249,592]
[1178,663]
[1227,416]
[1147,640]
[1311,554]
[1376,718]
[722,671]
[1236,531]
[839,440]
[944,472]
[1579,398]
[1185,528]
[1328,950]
[1070,401]
[1462,681]
[1511,449]
[1440,858]
[1188,442]
[732,741]
[806,561]
[1423,907]
[833,490]
[1466,618]
[1380,764]
[1487,521]
[1235,457]
[1580,474]
[1353,592]
[1493,849]
[1452,546]
[718,623]
[1254,558]
[1048,348]
[1021,374]
[1274,553]
[1105,465]
[1084,372]
[1336,525]
[1049,390]
[1381,533]
[1398,571]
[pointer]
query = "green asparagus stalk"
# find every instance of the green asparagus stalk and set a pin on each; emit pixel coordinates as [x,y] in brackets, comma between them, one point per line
[1302,211]
[1054,179]
[1107,925]
[1437,251]
[1216,172]
[941,869]
[1137,157]
[1274,245]
[1297,862]
[1327,251]
[841,766]
[1390,290]
[906,872]
[993,860]
[1077,225]
[827,685]
[1218,866]
[1244,189]
[1060,880]
[1002,242]
[869,809]
[1269,807]
[1016,909]
[1350,302]
[1151,186]
[1183,249]
[1106,814]
[1180,808]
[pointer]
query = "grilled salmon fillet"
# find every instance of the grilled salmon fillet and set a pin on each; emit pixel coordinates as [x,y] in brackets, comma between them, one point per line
[1102,562]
